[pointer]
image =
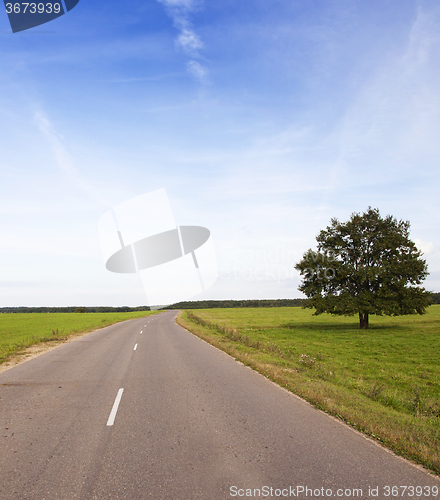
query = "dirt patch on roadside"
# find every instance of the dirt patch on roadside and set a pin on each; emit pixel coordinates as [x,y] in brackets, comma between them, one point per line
[36,350]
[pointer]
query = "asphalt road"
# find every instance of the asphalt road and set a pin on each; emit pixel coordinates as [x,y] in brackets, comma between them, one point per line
[191,423]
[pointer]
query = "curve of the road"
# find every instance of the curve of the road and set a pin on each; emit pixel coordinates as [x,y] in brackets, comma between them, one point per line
[144,409]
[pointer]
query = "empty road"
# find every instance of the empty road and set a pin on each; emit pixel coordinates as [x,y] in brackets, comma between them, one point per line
[144,409]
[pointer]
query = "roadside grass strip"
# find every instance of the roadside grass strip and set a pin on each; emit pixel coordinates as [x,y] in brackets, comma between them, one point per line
[384,381]
[21,330]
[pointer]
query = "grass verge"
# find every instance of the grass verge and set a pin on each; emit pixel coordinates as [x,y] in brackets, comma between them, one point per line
[20,331]
[383,381]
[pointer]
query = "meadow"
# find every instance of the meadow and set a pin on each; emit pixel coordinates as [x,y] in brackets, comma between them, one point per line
[384,381]
[21,330]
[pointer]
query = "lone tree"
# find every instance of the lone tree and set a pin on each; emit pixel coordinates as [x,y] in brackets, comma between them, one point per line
[367,265]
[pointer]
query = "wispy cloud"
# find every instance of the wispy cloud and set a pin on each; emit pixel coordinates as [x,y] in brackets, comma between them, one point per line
[390,126]
[62,157]
[197,70]
[190,42]
[187,39]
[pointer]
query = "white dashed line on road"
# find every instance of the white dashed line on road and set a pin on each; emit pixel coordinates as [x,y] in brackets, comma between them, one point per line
[111,418]
[135,346]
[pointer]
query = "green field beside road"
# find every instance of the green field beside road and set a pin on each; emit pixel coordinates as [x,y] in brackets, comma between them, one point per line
[21,330]
[384,381]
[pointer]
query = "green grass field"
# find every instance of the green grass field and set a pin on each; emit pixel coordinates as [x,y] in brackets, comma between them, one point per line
[18,331]
[384,381]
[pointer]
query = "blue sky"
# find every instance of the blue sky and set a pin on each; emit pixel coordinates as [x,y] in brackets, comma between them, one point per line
[262,119]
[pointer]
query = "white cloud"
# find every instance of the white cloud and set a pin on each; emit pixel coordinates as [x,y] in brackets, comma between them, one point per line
[427,247]
[197,70]
[187,40]
[185,5]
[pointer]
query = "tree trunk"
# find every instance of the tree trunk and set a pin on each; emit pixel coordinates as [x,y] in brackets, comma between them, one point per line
[363,320]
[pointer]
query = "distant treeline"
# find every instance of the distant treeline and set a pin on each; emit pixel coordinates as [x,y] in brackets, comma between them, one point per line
[208,304]
[98,309]
[201,304]
[436,298]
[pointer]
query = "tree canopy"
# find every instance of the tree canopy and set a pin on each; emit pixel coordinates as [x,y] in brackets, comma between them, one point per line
[367,265]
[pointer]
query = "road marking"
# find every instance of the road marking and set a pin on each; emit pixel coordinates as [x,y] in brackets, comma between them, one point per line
[111,418]
[141,331]
[135,346]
